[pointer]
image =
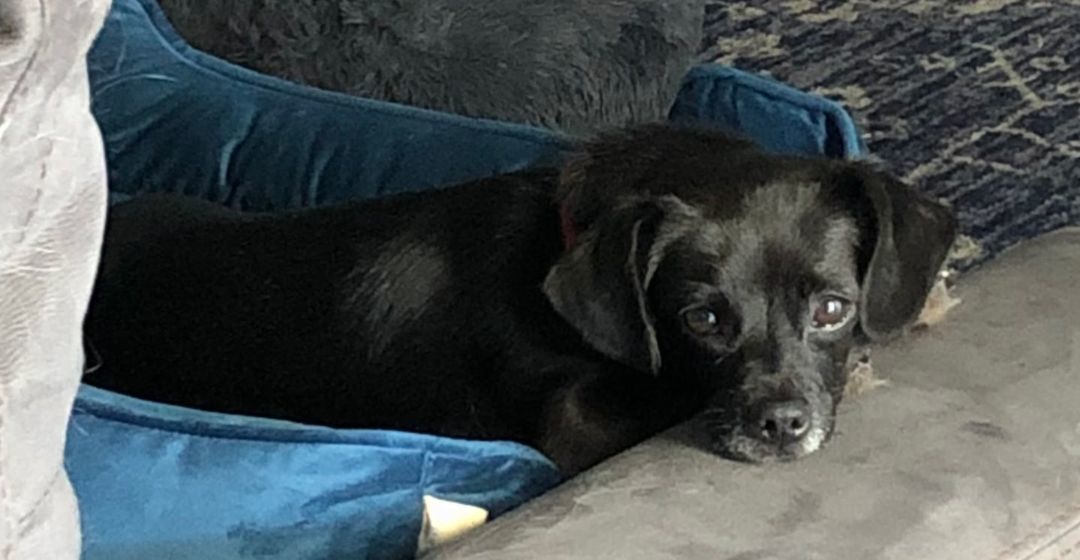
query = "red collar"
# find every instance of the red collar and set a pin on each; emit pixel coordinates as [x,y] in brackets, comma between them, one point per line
[567,227]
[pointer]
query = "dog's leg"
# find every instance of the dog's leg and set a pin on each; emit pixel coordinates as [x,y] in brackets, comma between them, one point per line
[603,413]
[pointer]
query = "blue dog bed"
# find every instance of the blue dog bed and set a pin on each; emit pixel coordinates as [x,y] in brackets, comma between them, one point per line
[157,481]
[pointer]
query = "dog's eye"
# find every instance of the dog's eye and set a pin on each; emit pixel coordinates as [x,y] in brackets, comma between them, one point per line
[831,312]
[701,321]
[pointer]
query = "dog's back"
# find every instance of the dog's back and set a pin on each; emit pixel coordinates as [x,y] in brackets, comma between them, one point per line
[349,315]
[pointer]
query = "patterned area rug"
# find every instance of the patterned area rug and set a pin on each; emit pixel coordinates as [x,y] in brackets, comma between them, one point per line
[976,102]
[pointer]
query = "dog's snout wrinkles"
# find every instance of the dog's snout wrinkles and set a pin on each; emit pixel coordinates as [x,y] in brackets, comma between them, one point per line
[784,422]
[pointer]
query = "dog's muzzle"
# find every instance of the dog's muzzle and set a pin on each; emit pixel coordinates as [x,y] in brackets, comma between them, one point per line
[771,428]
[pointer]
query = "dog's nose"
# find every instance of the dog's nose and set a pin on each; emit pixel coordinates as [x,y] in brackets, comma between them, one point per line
[784,422]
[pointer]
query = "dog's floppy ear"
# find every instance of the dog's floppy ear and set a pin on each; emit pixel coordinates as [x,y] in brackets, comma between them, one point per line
[599,285]
[906,240]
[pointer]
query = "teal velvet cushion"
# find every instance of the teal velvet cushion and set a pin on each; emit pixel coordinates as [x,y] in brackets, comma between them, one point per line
[155,481]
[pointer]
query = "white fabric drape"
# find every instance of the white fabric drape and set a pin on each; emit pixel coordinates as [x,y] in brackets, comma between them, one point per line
[52,208]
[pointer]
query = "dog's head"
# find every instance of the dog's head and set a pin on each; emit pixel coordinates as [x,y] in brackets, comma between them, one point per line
[742,275]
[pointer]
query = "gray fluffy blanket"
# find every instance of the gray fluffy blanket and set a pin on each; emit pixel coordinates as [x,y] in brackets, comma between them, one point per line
[574,65]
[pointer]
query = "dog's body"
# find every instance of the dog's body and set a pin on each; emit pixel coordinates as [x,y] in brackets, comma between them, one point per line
[579,66]
[663,272]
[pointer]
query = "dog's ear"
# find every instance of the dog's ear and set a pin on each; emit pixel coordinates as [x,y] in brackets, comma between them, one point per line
[599,285]
[906,238]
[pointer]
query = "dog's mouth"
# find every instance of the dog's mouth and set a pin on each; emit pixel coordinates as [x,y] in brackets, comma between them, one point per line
[744,433]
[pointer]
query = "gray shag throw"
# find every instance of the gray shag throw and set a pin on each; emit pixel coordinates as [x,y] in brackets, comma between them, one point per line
[575,66]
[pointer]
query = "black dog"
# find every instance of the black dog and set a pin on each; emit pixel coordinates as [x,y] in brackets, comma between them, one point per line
[660,273]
